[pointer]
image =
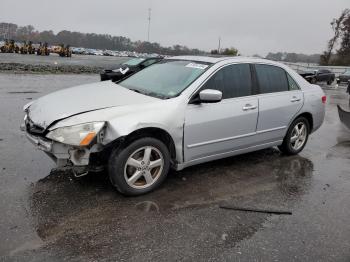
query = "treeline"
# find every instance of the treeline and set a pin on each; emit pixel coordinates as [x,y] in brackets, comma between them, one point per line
[294,57]
[90,40]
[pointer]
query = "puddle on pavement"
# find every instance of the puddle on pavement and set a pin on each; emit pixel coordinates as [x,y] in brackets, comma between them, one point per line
[69,212]
[340,150]
[23,92]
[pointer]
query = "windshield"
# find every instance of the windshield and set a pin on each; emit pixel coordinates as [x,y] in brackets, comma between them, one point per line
[347,73]
[134,61]
[165,79]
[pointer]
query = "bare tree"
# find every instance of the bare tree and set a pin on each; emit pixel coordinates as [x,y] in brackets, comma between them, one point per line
[337,29]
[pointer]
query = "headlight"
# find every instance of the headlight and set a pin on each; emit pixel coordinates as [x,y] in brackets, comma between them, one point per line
[79,135]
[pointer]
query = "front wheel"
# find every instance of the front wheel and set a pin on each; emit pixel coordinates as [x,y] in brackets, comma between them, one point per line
[140,167]
[330,81]
[296,137]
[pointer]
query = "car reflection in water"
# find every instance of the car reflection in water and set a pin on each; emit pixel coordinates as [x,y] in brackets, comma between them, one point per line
[69,213]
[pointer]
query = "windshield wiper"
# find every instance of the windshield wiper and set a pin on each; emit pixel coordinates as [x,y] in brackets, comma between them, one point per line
[135,90]
[149,93]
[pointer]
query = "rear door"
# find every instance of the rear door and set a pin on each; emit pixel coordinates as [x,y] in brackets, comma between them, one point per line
[216,128]
[280,99]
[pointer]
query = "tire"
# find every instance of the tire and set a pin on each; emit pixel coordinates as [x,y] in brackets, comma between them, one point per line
[289,147]
[330,81]
[313,81]
[132,162]
[338,82]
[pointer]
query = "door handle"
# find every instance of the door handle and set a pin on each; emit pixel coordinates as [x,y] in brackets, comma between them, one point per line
[248,107]
[295,99]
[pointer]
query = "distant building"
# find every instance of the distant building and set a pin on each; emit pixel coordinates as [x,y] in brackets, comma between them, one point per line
[7,30]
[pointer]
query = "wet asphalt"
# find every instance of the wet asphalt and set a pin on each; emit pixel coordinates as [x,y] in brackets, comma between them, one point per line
[48,215]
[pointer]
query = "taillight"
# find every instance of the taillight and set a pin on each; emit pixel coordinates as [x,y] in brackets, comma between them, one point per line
[324,99]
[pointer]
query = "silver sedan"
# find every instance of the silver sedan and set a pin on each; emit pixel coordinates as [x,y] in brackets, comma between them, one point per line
[174,114]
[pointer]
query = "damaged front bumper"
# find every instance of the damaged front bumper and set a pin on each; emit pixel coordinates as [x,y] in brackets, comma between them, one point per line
[80,159]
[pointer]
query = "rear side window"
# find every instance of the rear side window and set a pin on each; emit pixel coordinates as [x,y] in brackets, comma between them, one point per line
[271,79]
[232,81]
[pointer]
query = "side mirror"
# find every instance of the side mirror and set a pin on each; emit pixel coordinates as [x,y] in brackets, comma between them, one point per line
[210,96]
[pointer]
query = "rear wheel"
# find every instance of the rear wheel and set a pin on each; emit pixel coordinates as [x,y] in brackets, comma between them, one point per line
[330,81]
[313,81]
[140,167]
[296,137]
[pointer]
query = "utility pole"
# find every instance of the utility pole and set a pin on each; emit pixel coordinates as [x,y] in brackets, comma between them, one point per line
[219,48]
[149,22]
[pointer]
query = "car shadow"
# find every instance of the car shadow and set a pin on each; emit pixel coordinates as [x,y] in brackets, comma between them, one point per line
[69,212]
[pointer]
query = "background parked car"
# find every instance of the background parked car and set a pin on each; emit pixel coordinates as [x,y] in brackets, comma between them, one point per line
[322,75]
[128,68]
[344,78]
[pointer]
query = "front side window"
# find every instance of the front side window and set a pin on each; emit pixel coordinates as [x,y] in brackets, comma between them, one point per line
[149,62]
[271,79]
[232,81]
[165,79]
[134,61]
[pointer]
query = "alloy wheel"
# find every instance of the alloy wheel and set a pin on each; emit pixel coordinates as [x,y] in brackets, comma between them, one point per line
[299,135]
[143,167]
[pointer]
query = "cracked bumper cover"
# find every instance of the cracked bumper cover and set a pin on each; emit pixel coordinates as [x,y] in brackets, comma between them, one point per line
[63,155]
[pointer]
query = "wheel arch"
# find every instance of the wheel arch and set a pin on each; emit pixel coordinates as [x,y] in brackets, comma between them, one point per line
[156,133]
[308,117]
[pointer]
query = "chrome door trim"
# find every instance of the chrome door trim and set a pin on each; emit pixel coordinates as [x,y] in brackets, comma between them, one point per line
[196,161]
[234,137]
[219,140]
[270,130]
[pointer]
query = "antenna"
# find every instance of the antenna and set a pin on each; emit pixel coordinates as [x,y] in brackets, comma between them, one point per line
[219,48]
[149,22]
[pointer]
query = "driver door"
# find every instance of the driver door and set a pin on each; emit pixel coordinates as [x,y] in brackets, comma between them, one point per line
[217,128]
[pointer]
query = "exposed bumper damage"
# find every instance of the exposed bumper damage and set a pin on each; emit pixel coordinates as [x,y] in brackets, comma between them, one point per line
[80,159]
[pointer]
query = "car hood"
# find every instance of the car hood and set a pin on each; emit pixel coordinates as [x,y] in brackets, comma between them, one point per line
[81,99]
[304,74]
[344,77]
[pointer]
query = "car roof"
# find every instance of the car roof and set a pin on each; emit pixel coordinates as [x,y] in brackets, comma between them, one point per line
[217,59]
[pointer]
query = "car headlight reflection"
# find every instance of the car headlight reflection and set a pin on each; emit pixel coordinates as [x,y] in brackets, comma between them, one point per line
[78,135]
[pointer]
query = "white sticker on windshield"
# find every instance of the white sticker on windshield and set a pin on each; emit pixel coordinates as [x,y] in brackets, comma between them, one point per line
[198,66]
[124,71]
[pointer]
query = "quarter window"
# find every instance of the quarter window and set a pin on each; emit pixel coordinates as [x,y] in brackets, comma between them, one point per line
[232,81]
[271,79]
[292,84]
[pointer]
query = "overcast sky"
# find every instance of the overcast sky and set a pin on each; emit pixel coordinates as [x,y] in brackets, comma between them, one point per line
[254,27]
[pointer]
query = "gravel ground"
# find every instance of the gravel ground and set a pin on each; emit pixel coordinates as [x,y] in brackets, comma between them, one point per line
[54,64]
